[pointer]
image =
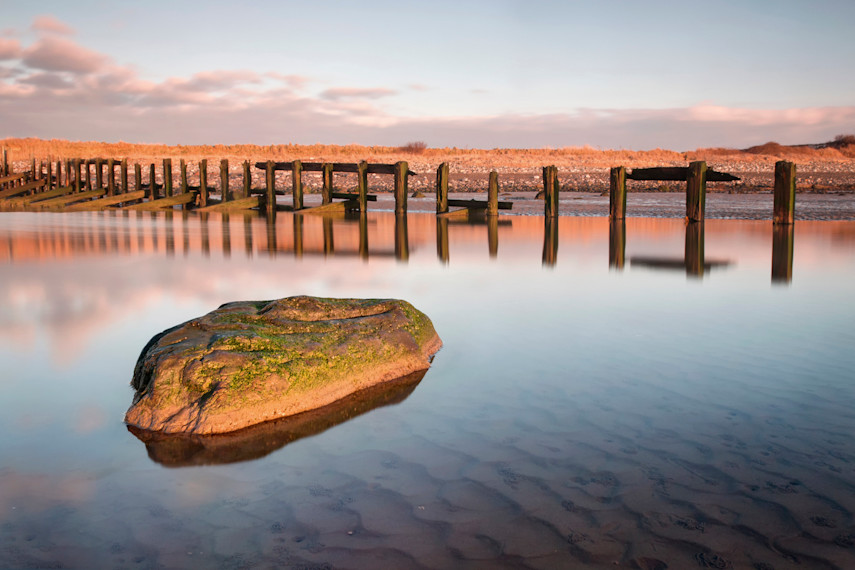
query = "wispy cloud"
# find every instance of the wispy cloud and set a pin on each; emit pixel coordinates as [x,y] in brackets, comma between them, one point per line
[9,49]
[60,54]
[49,24]
[337,93]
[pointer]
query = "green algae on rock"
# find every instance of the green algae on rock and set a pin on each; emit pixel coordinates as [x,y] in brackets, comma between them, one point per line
[250,362]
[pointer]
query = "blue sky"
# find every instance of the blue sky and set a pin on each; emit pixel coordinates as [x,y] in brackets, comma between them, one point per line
[610,74]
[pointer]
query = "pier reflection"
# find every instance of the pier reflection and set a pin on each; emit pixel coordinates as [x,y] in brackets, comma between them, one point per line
[693,262]
[617,243]
[782,253]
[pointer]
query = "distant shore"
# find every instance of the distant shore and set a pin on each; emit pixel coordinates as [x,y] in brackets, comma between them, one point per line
[825,170]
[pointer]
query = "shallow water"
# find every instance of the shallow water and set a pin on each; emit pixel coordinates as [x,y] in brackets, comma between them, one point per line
[633,395]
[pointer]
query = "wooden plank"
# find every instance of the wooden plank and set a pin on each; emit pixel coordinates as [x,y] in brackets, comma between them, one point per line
[696,191]
[25,200]
[11,178]
[235,205]
[167,202]
[63,201]
[676,174]
[478,204]
[784,208]
[10,192]
[332,207]
[461,213]
[353,196]
[107,202]
[617,193]
[442,188]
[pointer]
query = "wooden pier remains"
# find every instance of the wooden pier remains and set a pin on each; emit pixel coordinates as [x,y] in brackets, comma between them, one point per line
[489,207]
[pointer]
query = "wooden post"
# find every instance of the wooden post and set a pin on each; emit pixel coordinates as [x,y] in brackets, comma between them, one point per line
[401,174]
[493,194]
[88,165]
[696,191]
[442,188]
[137,177]
[225,193]
[617,193]
[77,180]
[362,185]
[182,165]
[782,253]
[152,183]
[59,174]
[203,183]
[271,188]
[34,175]
[99,174]
[550,191]
[69,178]
[124,175]
[617,241]
[5,167]
[247,180]
[297,184]
[49,167]
[111,177]
[785,193]
[167,177]
[327,188]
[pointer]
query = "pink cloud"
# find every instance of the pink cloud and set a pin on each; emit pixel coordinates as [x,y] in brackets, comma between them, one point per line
[337,93]
[9,49]
[59,54]
[51,25]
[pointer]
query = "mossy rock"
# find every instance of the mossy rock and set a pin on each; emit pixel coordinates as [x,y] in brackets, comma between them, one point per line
[254,361]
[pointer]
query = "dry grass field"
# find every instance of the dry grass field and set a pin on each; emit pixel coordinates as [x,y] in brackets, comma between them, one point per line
[826,167]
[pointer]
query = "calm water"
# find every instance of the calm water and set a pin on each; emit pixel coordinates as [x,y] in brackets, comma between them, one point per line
[627,396]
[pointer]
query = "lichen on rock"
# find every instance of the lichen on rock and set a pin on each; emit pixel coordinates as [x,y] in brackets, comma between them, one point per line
[253,361]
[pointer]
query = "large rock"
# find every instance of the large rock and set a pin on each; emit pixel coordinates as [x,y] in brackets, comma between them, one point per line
[254,361]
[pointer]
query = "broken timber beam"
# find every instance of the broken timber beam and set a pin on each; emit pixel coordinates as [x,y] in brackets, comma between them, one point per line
[676,174]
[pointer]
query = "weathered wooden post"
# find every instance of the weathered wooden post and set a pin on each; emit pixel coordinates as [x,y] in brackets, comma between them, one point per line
[49,173]
[59,174]
[152,183]
[77,181]
[617,193]
[182,165]
[167,177]
[617,242]
[327,187]
[34,174]
[782,253]
[5,166]
[111,177]
[550,191]
[225,193]
[696,191]
[401,174]
[402,238]
[137,177]
[362,186]
[297,184]
[493,194]
[442,188]
[124,175]
[785,193]
[203,182]
[88,165]
[694,255]
[271,188]
[69,179]
[99,173]
[247,180]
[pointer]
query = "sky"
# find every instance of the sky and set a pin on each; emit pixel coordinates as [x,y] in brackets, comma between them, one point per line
[628,74]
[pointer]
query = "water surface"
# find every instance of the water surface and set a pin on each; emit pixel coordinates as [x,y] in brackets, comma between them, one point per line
[632,394]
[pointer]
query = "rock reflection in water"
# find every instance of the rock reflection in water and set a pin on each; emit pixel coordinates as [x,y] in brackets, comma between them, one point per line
[175,450]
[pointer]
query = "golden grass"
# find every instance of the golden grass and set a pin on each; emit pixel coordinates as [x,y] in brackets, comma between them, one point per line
[28,148]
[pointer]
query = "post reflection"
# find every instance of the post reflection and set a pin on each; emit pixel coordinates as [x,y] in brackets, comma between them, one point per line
[617,243]
[694,254]
[493,236]
[550,241]
[694,262]
[402,239]
[442,239]
[782,253]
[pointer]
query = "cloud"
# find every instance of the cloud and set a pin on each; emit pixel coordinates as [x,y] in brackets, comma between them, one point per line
[51,25]
[60,54]
[9,49]
[337,93]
